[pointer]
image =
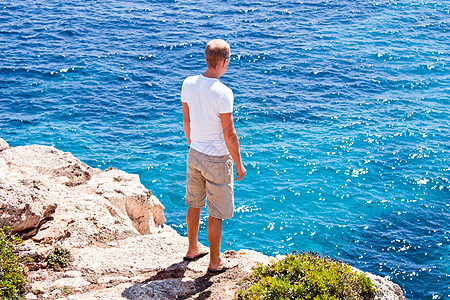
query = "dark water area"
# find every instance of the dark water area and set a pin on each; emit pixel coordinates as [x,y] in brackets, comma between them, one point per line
[342,109]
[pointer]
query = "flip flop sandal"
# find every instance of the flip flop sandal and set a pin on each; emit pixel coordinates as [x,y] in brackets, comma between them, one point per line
[196,257]
[225,268]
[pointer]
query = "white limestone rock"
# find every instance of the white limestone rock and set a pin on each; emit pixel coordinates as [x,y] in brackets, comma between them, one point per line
[386,289]
[133,255]
[72,274]
[39,287]
[113,280]
[24,203]
[3,144]
[49,160]
[111,293]
[130,198]
[53,196]
[56,293]
[30,296]
[77,283]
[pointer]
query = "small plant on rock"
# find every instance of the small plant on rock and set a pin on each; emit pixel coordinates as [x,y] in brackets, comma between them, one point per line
[67,290]
[307,276]
[59,258]
[12,272]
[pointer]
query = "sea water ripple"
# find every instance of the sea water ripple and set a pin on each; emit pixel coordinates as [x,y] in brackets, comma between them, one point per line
[342,108]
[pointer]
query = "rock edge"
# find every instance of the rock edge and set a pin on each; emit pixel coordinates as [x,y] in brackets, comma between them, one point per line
[114,228]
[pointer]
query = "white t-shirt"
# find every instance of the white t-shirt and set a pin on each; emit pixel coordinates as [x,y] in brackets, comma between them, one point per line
[207,98]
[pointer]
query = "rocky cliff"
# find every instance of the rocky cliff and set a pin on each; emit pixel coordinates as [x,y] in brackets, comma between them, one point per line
[114,229]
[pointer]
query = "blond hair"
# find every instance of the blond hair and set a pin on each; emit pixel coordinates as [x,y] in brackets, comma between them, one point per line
[216,51]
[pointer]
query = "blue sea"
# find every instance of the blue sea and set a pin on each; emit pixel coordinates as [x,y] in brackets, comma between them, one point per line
[341,107]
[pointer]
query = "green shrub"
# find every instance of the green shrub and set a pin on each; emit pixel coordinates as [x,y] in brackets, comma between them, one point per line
[59,258]
[12,273]
[307,276]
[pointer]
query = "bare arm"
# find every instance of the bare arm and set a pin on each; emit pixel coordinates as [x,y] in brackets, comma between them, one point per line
[186,123]
[232,142]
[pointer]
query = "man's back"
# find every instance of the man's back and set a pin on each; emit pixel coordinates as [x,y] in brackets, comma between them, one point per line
[207,98]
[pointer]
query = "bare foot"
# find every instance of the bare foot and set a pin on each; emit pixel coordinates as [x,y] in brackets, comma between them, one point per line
[192,252]
[216,264]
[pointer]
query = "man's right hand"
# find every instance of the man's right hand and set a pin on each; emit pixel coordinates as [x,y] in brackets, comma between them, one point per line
[240,172]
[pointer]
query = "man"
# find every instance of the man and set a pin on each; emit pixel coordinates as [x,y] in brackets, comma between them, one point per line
[214,145]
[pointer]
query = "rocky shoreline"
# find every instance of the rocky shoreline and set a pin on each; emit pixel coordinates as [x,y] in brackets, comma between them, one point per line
[114,229]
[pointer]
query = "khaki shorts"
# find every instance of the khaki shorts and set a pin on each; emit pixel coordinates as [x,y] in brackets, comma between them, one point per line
[210,176]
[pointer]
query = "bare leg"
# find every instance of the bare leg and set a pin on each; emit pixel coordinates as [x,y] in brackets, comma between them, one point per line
[192,224]
[214,229]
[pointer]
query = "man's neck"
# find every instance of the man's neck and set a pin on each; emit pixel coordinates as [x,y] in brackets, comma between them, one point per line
[212,73]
